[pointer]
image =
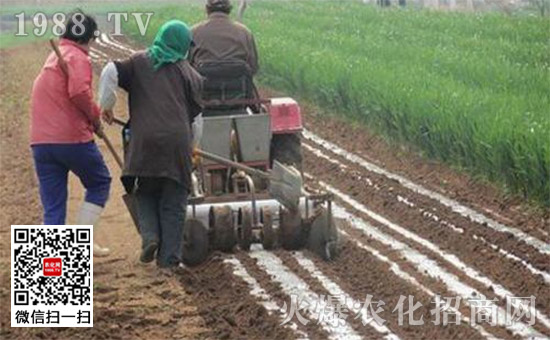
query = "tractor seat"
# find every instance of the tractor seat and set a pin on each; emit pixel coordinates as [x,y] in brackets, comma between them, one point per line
[227,88]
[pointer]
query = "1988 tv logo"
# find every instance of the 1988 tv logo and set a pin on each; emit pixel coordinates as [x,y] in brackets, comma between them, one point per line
[55,23]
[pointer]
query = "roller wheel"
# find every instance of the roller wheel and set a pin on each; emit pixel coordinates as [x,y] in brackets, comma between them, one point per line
[287,149]
[245,230]
[291,233]
[268,234]
[323,236]
[195,242]
[221,224]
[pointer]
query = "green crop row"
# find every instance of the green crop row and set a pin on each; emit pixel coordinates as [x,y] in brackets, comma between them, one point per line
[472,90]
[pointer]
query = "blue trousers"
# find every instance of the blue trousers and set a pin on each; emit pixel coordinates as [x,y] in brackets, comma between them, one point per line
[53,163]
[162,204]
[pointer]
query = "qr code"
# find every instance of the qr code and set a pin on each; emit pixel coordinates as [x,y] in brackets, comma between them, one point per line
[52,267]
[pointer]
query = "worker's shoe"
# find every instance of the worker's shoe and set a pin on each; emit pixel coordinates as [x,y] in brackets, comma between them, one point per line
[148,252]
[180,269]
[100,251]
[90,214]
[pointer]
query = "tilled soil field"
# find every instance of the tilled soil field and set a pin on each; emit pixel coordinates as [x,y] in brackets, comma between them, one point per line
[411,231]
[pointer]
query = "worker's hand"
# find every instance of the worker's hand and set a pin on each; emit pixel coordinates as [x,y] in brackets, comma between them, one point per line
[98,128]
[196,158]
[108,116]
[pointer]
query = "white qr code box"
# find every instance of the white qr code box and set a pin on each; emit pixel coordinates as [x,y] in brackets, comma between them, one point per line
[51,276]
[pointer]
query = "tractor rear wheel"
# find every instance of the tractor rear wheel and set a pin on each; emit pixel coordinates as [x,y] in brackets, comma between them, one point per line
[287,149]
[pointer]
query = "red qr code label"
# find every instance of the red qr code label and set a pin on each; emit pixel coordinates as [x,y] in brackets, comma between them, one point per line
[52,266]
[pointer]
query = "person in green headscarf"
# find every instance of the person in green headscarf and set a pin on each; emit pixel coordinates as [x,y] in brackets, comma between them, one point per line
[171,44]
[163,91]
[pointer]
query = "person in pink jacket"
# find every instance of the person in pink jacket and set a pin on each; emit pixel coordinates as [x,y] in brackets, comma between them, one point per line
[63,120]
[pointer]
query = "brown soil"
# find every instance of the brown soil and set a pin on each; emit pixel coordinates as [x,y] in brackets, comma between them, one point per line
[227,306]
[274,290]
[315,284]
[359,273]
[499,269]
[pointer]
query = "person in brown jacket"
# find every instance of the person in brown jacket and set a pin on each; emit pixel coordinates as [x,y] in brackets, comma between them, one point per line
[219,38]
[163,91]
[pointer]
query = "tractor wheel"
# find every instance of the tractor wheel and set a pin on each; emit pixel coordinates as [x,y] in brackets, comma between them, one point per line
[323,236]
[268,234]
[292,235]
[221,223]
[245,229]
[287,149]
[195,242]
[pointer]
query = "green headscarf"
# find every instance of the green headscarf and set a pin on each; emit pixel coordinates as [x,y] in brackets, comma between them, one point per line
[171,44]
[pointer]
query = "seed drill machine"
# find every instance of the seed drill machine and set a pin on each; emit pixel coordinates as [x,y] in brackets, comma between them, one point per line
[234,201]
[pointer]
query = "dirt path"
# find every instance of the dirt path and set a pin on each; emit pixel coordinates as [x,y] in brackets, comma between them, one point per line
[409,228]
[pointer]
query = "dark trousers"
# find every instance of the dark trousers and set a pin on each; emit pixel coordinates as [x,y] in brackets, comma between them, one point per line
[53,163]
[162,204]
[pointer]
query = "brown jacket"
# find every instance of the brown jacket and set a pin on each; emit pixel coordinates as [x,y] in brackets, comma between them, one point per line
[162,106]
[220,38]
